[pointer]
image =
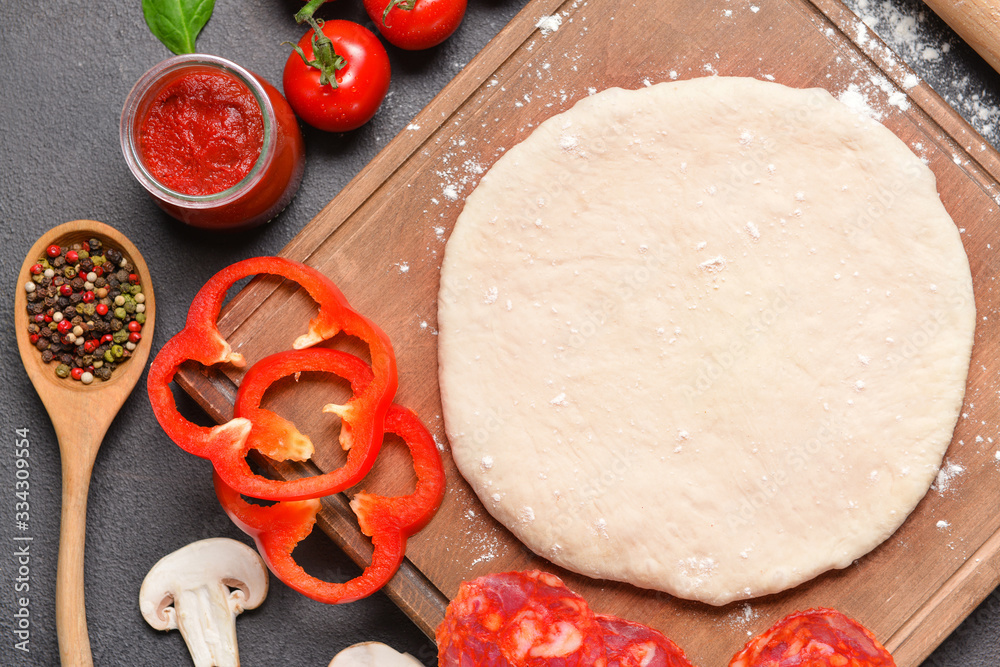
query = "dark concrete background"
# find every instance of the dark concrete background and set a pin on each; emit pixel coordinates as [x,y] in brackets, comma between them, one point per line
[64,74]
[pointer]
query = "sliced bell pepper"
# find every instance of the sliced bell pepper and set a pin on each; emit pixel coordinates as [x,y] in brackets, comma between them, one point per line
[389,521]
[227,445]
[271,434]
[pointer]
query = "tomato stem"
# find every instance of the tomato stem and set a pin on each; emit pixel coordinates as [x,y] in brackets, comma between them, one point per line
[402,4]
[308,10]
[325,59]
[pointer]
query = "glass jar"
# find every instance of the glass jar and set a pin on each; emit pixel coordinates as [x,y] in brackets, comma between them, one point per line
[263,191]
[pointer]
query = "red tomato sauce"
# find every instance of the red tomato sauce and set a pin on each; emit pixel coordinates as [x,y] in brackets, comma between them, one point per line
[202,134]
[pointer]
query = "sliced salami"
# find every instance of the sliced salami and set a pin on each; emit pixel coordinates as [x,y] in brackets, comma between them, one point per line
[628,644]
[531,619]
[814,638]
[520,619]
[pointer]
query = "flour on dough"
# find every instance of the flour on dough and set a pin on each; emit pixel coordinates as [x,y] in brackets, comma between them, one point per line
[708,337]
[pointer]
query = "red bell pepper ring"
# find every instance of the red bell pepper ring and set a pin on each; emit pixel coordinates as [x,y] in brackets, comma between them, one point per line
[271,433]
[389,521]
[227,445]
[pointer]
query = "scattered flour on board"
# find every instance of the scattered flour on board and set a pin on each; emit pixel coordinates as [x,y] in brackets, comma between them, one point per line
[911,30]
[484,542]
[858,102]
[741,618]
[548,24]
[946,475]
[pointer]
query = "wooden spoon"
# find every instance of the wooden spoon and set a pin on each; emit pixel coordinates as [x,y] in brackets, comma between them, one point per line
[81,415]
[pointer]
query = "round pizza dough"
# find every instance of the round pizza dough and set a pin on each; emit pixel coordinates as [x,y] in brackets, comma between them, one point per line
[708,337]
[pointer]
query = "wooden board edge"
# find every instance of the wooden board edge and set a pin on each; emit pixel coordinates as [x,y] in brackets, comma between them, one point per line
[407,142]
[427,122]
[949,605]
[510,38]
[981,156]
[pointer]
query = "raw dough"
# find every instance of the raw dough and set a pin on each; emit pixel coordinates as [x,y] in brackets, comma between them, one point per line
[707,337]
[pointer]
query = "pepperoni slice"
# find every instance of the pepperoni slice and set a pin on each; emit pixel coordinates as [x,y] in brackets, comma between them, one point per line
[520,619]
[814,638]
[530,619]
[628,644]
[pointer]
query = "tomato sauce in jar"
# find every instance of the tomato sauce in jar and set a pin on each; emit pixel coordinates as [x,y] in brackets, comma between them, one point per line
[215,146]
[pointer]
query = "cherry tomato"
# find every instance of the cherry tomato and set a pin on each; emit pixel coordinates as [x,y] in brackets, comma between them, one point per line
[416,24]
[361,75]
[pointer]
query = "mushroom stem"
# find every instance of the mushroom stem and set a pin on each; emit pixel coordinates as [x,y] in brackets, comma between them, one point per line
[208,624]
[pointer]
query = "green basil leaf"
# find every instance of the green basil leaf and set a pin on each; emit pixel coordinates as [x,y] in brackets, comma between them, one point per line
[177,23]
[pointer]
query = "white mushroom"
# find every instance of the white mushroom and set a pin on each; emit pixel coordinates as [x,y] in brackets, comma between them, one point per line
[200,589]
[373,654]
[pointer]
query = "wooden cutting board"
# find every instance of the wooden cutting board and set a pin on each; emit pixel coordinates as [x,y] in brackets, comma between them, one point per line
[382,239]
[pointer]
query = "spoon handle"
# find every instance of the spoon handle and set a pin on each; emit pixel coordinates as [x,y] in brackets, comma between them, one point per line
[71,612]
